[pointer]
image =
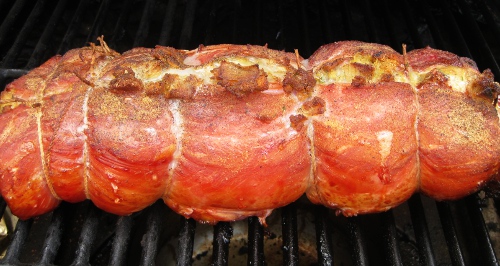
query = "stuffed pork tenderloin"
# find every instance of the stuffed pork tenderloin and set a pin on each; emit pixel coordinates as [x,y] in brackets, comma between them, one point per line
[224,132]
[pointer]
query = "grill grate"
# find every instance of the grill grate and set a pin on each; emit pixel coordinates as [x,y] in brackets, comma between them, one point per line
[80,234]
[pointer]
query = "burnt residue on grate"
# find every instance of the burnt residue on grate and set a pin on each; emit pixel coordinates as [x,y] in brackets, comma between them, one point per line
[419,232]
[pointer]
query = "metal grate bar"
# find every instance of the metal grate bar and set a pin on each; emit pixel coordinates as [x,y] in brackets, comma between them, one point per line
[450,233]
[412,25]
[222,236]
[143,30]
[187,25]
[389,23]
[304,25]
[3,205]
[257,14]
[389,233]
[347,19]
[53,236]
[10,19]
[281,35]
[290,235]
[454,30]
[98,21]
[119,30]
[487,12]
[435,31]
[26,30]
[210,25]
[255,242]
[236,20]
[120,243]
[484,242]
[369,21]
[325,22]
[324,245]
[38,53]
[186,240]
[11,73]
[73,27]
[357,242]
[152,235]
[479,39]
[14,250]
[426,254]
[87,236]
[168,24]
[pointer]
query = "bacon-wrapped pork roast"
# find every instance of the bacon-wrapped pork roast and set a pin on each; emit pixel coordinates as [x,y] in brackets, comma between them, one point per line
[224,132]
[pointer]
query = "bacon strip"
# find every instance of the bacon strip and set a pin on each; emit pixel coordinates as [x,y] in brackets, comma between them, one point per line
[224,132]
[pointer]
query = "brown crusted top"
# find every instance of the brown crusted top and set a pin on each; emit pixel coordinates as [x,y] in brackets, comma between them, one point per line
[125,81]
[485,87]
[240,80]
[300,80]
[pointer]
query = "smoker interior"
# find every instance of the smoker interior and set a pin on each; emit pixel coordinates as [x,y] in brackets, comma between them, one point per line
[419,232]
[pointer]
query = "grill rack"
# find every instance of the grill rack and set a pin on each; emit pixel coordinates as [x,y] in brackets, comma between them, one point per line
[308,26]
[119,240]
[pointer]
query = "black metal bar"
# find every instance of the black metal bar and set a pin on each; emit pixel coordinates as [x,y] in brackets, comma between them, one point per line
[257,15]
[490,18]
[53,236]
[121,241]
[10,19]
[412,25]
[98,21]
[3,205]
[168,23]
[481,231]
[290,235]
[255,242]
[389,234]
[324,245]
[73,27]
[186,241]
[479,39]
[304,25]
[454,29]
[325,22]
[11,73]
[23,35]
[119,30]
[435,29]
[210,25]
[236,21]
[187,25]
[222,236]
[41,47]
[87,236]
[143,30]
[450,234]
[389,22]
[281,36]
[347,19]
[152,235]
[14,250]
[370,22]
[426,253]
[357,242]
